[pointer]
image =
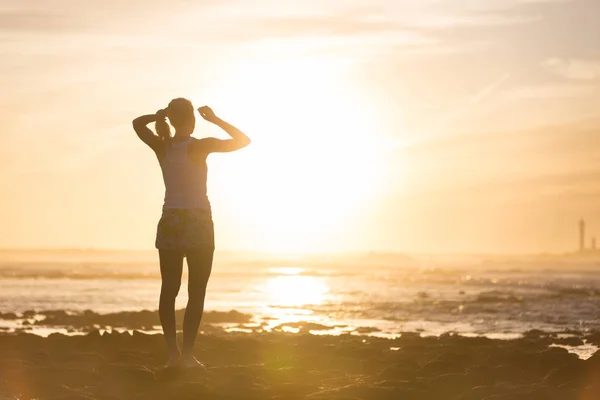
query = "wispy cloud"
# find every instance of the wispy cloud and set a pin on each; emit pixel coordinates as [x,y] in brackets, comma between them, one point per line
[564,90]
[465,20]
[546,1]
[575,69]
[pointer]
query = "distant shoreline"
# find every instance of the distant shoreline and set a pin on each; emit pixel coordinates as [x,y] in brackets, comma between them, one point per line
[333,254]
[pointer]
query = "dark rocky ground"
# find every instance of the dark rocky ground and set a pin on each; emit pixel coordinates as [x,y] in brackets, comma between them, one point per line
[296,366]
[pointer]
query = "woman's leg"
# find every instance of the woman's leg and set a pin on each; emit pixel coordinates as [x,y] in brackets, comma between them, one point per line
[171,267]
[199,267]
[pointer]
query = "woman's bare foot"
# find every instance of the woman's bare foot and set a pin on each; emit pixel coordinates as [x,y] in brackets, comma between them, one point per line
[189,361]
[174,360]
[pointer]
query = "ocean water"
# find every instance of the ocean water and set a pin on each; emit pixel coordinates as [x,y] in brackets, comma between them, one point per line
[473,295]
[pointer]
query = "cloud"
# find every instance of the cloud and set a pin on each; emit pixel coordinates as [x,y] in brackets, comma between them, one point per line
[244,21]
[575,69]
[545,1]
[491,19]
[34,20]
[437,129]
[550,91]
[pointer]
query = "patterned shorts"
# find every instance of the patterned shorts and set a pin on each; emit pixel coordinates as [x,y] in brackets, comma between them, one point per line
[185,229]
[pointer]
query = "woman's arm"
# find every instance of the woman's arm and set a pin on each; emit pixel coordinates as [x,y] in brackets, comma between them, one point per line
[145,133]
[238,139]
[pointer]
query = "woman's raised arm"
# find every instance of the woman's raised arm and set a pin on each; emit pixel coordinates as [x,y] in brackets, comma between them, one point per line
[238,139]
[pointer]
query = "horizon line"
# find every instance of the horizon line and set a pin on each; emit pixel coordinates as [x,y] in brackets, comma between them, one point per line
[305,254]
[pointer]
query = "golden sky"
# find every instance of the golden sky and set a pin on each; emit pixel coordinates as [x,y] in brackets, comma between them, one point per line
[399,125]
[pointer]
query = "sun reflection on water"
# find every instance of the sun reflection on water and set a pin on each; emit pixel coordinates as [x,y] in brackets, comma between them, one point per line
[291,294]
[296,290]
[289,287]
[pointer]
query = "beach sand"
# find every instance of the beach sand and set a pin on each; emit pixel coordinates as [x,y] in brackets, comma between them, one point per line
[277,365]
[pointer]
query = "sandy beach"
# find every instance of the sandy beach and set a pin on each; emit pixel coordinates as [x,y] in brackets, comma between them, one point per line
[104,364]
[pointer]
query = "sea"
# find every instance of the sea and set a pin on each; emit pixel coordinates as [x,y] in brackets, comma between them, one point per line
[384,294]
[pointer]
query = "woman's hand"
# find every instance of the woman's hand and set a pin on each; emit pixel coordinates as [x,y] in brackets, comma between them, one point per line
[208,114]
[161,114]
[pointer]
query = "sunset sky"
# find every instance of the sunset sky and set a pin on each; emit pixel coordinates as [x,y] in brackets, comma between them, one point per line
[399,125]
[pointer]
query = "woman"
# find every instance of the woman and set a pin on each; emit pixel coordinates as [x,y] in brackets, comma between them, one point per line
[186,227]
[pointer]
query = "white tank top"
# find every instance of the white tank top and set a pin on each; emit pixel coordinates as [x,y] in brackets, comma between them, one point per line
[185,180]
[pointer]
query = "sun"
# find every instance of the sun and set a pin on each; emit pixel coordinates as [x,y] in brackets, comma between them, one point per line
[313,161]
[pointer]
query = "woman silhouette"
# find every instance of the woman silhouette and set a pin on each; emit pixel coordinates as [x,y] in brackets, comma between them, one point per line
[185,228]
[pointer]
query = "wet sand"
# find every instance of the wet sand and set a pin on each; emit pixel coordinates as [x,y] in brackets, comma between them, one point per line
[280,365]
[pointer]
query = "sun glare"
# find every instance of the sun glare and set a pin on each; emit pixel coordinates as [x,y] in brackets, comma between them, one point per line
[313,161]
[296,290]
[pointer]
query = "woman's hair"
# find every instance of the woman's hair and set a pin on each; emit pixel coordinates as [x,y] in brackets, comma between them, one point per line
[181,114]
[163,129]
